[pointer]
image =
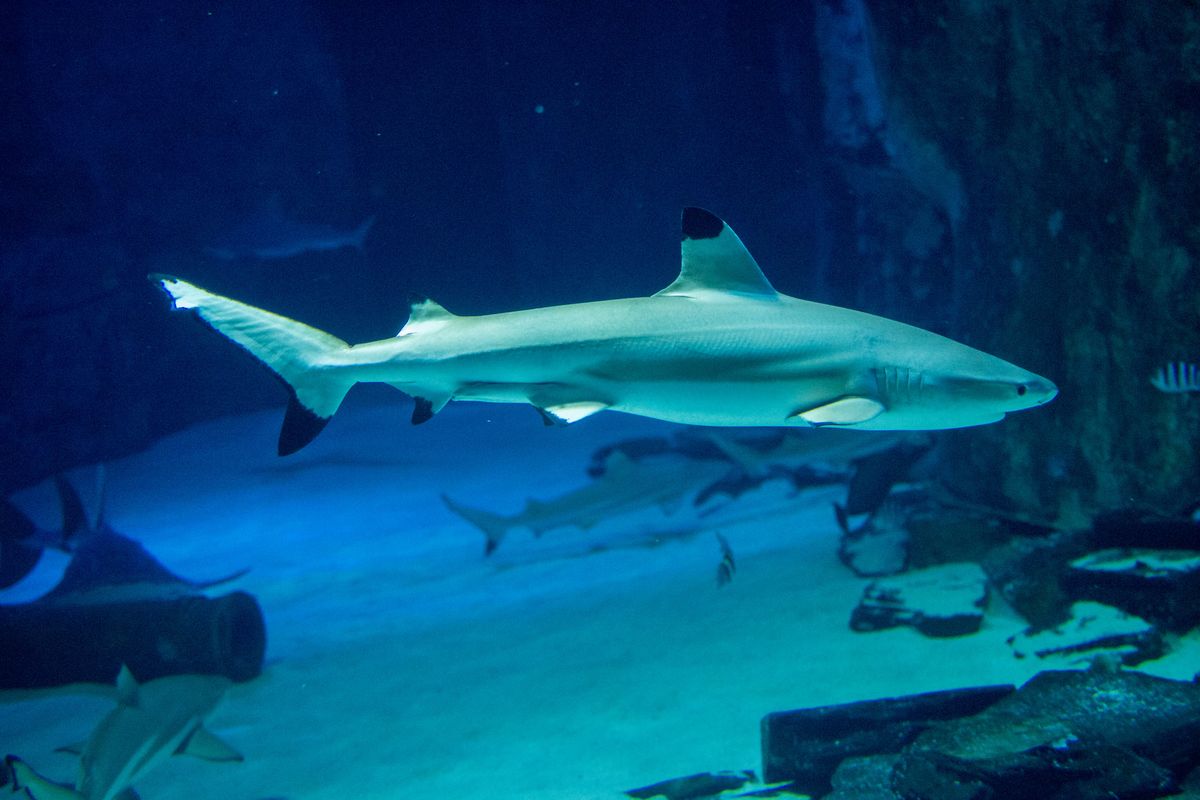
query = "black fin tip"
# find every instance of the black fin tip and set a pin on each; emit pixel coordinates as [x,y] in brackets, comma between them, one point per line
[701,224]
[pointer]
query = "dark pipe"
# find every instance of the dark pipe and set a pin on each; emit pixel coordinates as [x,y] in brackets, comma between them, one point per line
[51,644]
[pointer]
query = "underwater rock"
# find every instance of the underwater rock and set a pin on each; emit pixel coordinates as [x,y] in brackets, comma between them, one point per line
[1026,571]
[1094,631]
[942,535]
[1159,585]
[694,787]
[864,778]
[875,550]
[806,745]
[1132,527]
[947,600]
[1074,771]
[1061,711]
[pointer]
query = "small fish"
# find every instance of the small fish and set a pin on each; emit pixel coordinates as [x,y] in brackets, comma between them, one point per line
[1177,377]
[727,566]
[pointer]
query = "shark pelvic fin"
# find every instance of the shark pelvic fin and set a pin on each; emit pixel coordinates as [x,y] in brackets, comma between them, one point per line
[843,411]
[206,745]
[566,413]
[715,260]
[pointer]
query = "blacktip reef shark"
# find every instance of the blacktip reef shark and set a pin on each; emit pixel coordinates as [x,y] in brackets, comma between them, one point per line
[719,346]
[151,722]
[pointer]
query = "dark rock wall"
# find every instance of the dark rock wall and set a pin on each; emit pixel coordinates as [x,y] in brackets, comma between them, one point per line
[1019,175]
[1076,129]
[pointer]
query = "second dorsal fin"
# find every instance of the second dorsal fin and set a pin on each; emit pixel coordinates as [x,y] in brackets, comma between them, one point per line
[424,316]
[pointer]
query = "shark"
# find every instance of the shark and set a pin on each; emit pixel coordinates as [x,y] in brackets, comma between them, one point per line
[151,722]
[626,487]
[719,346]
[105,566]
[273,236]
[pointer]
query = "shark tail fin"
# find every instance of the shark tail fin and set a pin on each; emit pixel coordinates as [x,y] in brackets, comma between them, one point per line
[19,554]
[23,778]
[359,237]
[295,352]
[493,526]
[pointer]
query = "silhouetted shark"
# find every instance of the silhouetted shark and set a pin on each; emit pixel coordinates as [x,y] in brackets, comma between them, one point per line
[272,235]
[105,566]
[151,722]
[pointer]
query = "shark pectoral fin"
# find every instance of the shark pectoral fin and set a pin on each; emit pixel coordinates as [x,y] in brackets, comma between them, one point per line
[843,411]
[566,413]
[208,746]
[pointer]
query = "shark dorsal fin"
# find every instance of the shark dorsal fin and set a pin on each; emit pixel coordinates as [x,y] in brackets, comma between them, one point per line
[127,687]
[715,260]
[424,316]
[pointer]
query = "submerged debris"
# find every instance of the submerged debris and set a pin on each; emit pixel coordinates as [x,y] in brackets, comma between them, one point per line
[947,600]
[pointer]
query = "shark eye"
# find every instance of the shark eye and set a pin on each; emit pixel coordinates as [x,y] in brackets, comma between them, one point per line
[1021,389]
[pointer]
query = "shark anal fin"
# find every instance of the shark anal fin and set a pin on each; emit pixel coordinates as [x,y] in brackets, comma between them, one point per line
[425,407]
[300,425]
[566,413]
[206,745]
[849,410]
[422,411]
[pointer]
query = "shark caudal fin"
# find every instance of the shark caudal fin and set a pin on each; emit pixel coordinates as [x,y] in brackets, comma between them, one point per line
[359,236]
[294,351]
[493,526]
[21,777]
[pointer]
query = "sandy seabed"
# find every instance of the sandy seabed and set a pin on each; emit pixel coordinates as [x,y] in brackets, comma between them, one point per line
[403,664]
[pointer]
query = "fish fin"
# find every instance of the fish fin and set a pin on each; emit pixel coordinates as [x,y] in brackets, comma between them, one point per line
[849,410]
[74,519]
[566,413]
[494,526]
[359,236]
[206,745]
[715,260]
[74,748]
[25,778]
[98,518]
[425,316]
[127,687]
[295,352]
[19,554]
[425,406]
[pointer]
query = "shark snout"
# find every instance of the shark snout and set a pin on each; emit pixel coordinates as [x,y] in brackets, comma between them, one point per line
[1039,390]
